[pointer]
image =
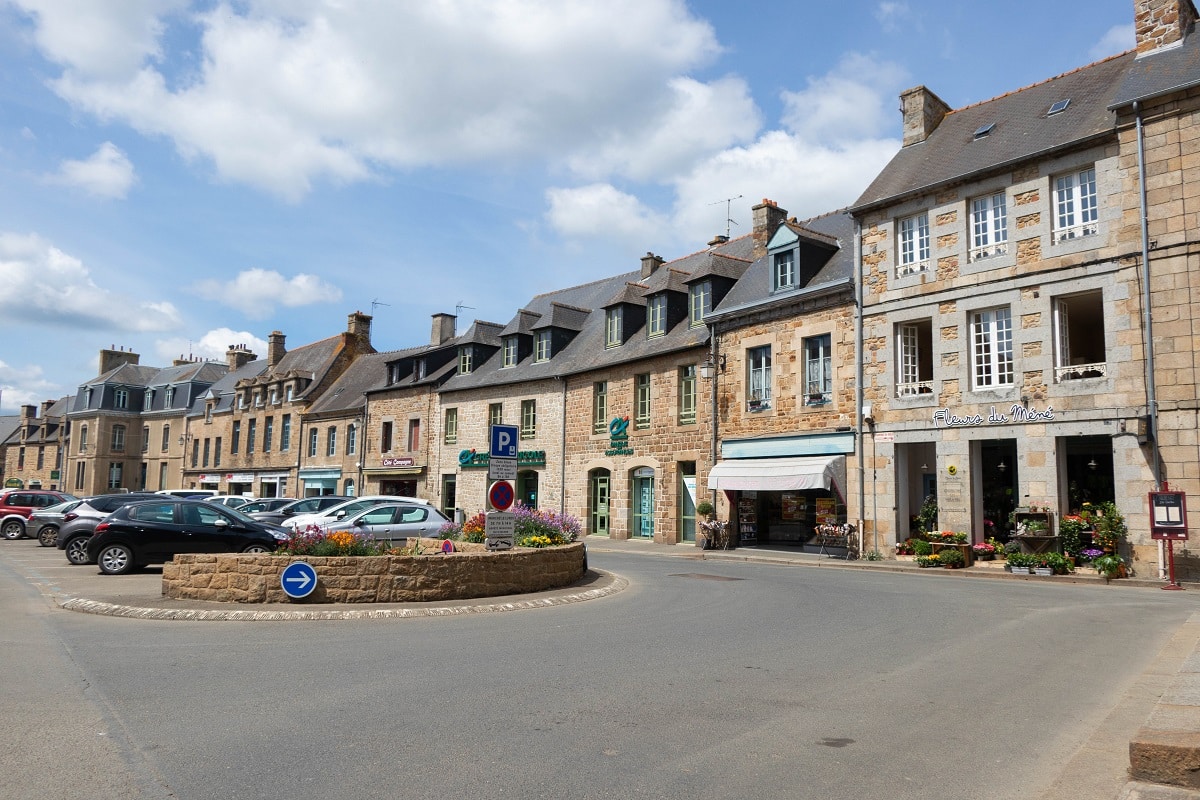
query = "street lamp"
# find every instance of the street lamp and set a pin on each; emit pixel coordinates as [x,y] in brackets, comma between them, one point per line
[708,370]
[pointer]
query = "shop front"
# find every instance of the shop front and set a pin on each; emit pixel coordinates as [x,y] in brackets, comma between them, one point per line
[319,481]
[273,484]
[781,490]
[398,476]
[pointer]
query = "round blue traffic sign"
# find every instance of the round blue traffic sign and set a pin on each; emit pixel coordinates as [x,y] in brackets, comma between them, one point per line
[298,579]
[501,495]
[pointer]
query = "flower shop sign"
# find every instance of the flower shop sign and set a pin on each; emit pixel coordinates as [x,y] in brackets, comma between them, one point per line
[945,418]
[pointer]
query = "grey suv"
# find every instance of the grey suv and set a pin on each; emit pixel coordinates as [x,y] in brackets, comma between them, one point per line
[80,523]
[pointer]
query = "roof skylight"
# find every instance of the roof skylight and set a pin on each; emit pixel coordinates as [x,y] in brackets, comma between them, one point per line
[984,130]
[1059,107]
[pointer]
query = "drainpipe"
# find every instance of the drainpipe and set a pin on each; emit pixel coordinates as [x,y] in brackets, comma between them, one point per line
[1147,325]
[562,459]
[859,394]
[713,398]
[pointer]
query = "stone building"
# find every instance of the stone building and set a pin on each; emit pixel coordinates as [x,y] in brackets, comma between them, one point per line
[35,449]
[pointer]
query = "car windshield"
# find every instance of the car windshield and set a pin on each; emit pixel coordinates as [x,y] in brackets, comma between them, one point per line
[239,515]
[63,508]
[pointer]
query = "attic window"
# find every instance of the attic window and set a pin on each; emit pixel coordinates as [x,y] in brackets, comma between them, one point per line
[984,130]
[1059,107]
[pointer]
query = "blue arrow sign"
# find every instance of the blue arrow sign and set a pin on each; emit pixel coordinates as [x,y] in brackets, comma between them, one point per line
[504,441]
[298,579]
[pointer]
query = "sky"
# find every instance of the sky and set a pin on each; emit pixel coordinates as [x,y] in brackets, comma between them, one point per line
[177,177]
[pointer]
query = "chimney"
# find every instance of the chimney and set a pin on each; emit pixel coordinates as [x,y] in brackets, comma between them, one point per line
[1161,23]
[766,217]
[28,412]
[238,356]
[275,349]
[46,406]
[443,329]
[358,325]
[718,240]
[923,111]
[650,263]
[112,358]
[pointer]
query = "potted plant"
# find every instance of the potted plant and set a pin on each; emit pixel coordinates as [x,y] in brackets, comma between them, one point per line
[984,551]
[951,559]
[927,516]
[704,513]
[1110,566]
[1110,527]
[929,560]
[1018,563]
[1070,531]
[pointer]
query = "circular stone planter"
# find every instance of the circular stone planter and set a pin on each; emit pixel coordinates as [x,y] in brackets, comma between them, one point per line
[424,578]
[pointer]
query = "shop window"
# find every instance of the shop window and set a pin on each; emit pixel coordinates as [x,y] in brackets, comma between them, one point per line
[992,348]
[914,358]
[758,378]
[599,407]
[1079,337]
[818,370]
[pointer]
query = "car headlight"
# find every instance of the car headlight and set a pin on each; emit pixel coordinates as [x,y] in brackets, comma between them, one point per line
[280,536]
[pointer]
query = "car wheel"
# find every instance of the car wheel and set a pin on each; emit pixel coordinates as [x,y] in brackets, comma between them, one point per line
[257,548]
[13,529]
[115,559]
[48,535]
[77,551]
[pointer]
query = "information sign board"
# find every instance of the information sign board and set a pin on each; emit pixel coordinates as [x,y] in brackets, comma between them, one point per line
[502,469]
[1168,516]
[500,528]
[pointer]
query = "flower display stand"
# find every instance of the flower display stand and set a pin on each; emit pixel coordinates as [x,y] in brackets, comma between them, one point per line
[965,549]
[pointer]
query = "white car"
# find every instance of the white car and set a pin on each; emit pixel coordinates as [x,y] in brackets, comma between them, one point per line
[321,519]
[231,500]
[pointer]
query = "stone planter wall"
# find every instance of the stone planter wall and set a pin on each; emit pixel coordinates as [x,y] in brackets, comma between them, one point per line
[377,579]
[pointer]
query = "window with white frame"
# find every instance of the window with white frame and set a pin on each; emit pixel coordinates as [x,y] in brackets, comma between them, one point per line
[495,413]
[687,395]
[914,362]
[268,433]
[331,441]
[641,401]
[783,270]
[699,302]
[314,439]
[352,438]
[285,433]
[528,419]
[145,438]
[450,427]
[818,370]
[1075,209]
[510,351]
[989,226]
[992,348]
[169,399]
[466,360]
[251,435]
[599,407]
[656,311]
[1079,337]
[115,472]
[913,244]
[83,438]
[235,439]
[541,346]
[118,437]
[758,378]
[613,319]
[121,398]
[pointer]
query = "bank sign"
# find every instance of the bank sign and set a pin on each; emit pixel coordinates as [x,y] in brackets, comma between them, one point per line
[525,458]
[945,418]
[618,437]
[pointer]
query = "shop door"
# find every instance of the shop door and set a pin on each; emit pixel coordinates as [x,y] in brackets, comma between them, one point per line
[527,488]
[1000,487]
[687,502]
[643,506]
[450,496]
[598,497]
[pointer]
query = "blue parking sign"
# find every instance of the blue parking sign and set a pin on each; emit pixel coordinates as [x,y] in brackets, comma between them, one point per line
[504,441]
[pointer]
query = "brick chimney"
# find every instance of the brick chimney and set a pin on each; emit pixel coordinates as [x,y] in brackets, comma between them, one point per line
[650,263]
[28,412]
[238,356]
[358,325]
[443,329]
[766,217]
[923,111]
[1161,23]
[275,349]
[112,358]
[46,406]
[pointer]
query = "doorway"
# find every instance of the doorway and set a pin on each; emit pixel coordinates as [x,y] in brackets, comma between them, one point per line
[599,488]
[643,504]
[999,495]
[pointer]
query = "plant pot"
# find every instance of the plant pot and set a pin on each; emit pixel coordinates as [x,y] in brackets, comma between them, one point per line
[1019,570]
[1043,570]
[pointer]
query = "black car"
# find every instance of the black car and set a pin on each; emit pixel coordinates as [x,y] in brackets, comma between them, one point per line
[154,531]
[77,525]
[308,505]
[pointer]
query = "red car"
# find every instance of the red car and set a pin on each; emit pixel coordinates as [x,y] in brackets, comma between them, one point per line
[17,504]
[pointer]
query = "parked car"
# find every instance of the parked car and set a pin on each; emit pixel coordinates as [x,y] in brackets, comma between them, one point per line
[320,519]
[264,505]
[192,493]
[391,522]
[230,500]
[44,522]
[79,524]
[16,505]
[308,505]
[154,531]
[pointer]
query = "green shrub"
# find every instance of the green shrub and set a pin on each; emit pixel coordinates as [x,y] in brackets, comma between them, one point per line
[922,547]
[951,557]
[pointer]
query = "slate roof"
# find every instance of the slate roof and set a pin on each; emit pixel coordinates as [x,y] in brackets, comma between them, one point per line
[9,426]
[522,323]
[225,388]
[367,373]
[1162,71]
[1023,130]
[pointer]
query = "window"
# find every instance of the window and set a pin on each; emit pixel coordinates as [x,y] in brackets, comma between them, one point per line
[656,310]
[145,438]
[313,441]
[914,348]
[450,430]
[251,434]
[21,458]
[170,396]
[268,433]
[385,437]
[419,369]
[235,439]
[83,438]
[466,360]
[41,458]
[541,346]
[687,395]
[1079,337]
[699,302]
[991,335]
[204,462]
[528,419]
[195,453]
[818,370]
[599,407]
[80,469]
[115,472]
[121,398]
[613,326]
[274,395]
[258,399]
[166,438]
[352,439]
[285,434]
[331,442]
[1075,211]
[148,399]
[495,413]
[510,351]
[162,474]
[118,437]
[291,392]
[414,435]
[783,270]
[989,227]
[241,401]
[641,404]
[914,245]
[217,452]
[758,378]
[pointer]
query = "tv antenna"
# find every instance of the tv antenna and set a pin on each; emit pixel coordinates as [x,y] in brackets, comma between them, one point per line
[458,312]
[375,303]
[728,218]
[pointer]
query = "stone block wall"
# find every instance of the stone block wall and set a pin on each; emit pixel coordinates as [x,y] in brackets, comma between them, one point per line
[437,577]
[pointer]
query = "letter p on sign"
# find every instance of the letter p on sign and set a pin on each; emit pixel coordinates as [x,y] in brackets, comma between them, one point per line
[504,441]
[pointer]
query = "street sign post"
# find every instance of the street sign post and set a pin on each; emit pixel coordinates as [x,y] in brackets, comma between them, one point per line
[499,530]
[501,496]
[298,580]
[504,441]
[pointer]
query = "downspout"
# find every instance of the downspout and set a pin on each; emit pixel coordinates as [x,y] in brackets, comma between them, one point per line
[360,446]
[562,459]
[1147,324]
[713,398]
[859,394]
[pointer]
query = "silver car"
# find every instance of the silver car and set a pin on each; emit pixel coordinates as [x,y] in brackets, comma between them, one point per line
[393,522]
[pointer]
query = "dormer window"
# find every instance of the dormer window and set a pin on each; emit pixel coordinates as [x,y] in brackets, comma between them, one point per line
[274,395]
[291,392]
[87,397]
[613,319]
[466,360]
[241,401]
[258,399]
[541,346]
[121,398]
[149,399]
[510,351]
[783,271]
[170,396]
[656,311]
[699,302]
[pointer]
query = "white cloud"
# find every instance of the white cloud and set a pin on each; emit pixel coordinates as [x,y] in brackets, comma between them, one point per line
[1117,39]
[849,103]
[256,292]
[57,289]
[602,211]
[108,173]
[25,386]
[212,345]
[891,15]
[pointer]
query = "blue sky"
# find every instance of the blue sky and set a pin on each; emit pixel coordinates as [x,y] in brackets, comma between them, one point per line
[177,177]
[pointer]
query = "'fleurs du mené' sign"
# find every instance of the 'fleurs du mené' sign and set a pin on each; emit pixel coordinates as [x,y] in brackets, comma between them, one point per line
[945,418]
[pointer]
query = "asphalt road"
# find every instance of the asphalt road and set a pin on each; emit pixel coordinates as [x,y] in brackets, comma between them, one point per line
[701,680]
